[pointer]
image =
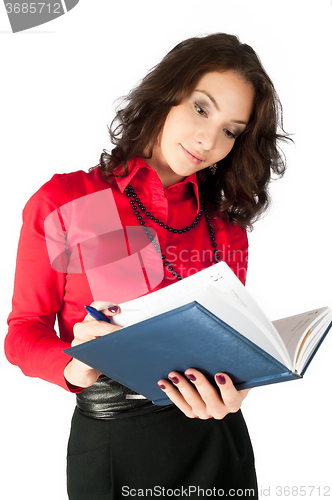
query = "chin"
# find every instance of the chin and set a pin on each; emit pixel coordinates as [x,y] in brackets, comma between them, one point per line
[186,170]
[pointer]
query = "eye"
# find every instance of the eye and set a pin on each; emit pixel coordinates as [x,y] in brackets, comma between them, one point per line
[201,111]
[229,134]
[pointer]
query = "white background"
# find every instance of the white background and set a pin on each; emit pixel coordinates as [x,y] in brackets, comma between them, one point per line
[58,84]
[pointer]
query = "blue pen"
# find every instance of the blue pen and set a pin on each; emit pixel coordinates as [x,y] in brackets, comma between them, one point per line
[99,316]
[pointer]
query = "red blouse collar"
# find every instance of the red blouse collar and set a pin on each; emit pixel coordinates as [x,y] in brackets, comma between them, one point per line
[137,163]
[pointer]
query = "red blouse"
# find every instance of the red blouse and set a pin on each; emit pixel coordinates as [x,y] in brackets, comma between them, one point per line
[79,243]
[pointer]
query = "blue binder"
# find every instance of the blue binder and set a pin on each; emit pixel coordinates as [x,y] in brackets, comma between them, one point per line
[187,337]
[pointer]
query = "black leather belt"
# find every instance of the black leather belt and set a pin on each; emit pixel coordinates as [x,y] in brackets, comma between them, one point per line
[107,399]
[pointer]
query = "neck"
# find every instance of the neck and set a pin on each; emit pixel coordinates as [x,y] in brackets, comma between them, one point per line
[168,179]
[164,172]
[166,175]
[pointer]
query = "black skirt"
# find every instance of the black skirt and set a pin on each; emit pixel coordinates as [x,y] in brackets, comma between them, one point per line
[159,455]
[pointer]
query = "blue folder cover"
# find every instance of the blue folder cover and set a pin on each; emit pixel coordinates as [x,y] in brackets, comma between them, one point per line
[187,337]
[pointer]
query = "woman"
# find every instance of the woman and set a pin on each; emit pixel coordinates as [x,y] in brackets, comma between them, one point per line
[195,147]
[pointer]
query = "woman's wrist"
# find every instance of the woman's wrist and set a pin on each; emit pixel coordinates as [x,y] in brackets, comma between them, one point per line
[73,384]
[68,377]
[79,376]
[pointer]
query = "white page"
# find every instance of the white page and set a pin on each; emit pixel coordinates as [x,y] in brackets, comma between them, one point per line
[178,294]
[161,301]
[293,329]
[311,342]
[238,309]
[235,314]
[238,294]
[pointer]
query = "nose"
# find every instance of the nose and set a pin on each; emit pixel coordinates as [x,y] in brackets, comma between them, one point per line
[207,137]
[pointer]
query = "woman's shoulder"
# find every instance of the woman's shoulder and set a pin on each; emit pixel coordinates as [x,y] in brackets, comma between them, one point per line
[74,184]
[66,187]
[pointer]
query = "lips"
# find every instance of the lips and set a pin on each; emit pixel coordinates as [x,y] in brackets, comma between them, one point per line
[191,156]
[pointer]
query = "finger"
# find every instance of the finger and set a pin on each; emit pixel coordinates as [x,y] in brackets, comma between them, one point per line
[214,404]
[190,394]
[176,397]
[231,397]
[108,308]
[88,330]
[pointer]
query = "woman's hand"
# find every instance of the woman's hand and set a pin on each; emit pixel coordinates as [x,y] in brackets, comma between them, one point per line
[200,399]
[77,373]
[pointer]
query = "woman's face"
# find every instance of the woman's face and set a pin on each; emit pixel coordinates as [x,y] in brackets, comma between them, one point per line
[203,128]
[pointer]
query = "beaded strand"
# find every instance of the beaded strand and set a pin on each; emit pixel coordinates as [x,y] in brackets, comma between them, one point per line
[139,208]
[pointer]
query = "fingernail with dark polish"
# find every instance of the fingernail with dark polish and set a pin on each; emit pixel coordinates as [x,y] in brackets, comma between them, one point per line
[191,377]
[175,380]
[113,309]
[162,386]
[221,379]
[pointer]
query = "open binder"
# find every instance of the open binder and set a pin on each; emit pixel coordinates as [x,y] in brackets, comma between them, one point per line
[210,322]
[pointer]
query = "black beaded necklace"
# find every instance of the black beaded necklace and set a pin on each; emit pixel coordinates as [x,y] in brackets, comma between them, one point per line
[139,208]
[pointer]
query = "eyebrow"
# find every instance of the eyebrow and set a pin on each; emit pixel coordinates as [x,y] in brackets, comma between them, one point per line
[215,104]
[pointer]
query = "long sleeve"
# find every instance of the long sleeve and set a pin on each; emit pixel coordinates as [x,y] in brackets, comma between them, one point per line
[32,342]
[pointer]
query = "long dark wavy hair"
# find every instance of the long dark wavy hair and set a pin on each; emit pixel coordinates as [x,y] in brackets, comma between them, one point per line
[239,190]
